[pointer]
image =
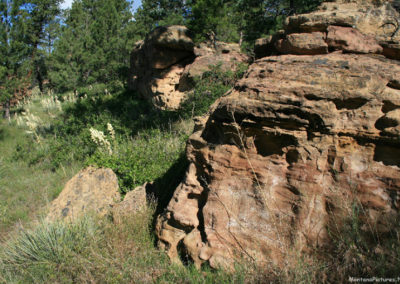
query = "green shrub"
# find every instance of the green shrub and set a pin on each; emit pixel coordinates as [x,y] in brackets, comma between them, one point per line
[48,243]
[142,159]
[3,169]
[209,87]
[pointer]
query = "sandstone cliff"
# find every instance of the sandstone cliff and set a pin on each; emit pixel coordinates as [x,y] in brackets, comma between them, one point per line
[279,162]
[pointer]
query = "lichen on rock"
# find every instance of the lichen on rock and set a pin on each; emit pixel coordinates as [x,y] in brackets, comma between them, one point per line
[89,191]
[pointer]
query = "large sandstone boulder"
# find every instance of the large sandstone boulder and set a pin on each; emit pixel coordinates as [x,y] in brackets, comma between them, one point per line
[353,26]
[164,64]
[280,162]
[311,43]
[366,16]
[351,40]
[91,190]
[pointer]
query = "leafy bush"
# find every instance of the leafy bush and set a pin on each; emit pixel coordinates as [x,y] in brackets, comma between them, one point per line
[142,159]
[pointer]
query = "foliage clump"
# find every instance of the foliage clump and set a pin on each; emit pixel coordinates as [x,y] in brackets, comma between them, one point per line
[209,87]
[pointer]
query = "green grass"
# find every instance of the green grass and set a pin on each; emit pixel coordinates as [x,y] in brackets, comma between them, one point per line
[25,190]
[96,251]
[148,146]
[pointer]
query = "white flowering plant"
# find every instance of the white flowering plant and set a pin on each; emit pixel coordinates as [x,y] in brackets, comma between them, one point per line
[103,141]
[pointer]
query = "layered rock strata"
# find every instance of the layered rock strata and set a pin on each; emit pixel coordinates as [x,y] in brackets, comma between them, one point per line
[281,161]
[347,26]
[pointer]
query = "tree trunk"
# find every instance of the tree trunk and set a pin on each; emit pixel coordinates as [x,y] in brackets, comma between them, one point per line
[39,78]
[6,114]
[292,7]
[241,38]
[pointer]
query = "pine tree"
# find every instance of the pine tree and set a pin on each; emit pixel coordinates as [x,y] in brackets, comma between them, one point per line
[256,18]
[112,44]
[205,16]
[159,13]
[94,44]
[42,18]
[14,50]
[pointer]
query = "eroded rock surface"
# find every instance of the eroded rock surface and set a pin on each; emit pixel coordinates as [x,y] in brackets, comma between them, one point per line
[352,26]
[90,191]
[307,43]
[164,65]
[350,40]
[367,16]
[279,163]
[157,64]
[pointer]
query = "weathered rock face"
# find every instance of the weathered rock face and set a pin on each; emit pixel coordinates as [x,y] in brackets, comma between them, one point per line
[91,190]
[158,62]
[350,26]
[312,43]
[279,162]
[164,64]
[366,16]
[351,40]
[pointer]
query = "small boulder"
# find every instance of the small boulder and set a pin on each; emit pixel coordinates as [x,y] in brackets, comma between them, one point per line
[263,46]
[266,46]
[91,190]
[134,201]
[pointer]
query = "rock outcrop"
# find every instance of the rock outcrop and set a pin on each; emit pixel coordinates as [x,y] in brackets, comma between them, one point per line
[280,161]
[164,64]
[339,25]
[91,190]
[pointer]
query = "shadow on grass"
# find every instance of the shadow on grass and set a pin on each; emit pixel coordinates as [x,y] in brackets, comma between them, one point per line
[164,187]
[125,110]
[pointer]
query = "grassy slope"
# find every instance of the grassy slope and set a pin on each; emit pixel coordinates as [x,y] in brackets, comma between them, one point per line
[24,189]
[91,250]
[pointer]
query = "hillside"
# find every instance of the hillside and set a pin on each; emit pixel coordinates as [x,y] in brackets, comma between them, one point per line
[200,142]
